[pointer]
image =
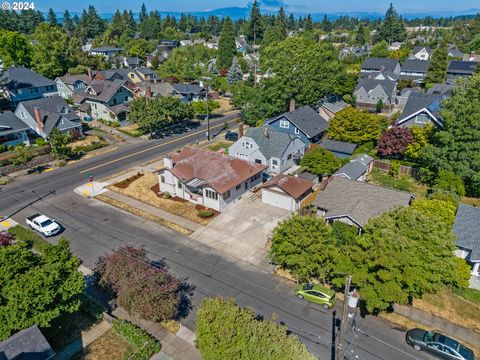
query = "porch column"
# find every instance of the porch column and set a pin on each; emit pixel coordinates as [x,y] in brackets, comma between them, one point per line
[475,269]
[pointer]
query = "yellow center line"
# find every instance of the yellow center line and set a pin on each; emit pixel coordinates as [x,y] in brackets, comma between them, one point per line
[153,147]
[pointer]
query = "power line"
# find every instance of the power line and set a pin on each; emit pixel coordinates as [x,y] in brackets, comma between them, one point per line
[107,246]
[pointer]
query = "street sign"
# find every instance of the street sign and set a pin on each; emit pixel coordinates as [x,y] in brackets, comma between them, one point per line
[90,178]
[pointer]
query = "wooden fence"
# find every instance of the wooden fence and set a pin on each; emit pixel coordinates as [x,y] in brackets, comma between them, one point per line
[385,165]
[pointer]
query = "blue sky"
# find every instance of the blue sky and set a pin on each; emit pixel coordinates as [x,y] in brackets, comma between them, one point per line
[318,6]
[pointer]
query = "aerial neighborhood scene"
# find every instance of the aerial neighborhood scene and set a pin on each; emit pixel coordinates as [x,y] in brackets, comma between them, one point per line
[246,179]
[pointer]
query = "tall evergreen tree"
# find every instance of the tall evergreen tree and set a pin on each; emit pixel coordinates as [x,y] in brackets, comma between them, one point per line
[437,70]
[362,35]
[67,22]
[308,24]
[235,73]
[143,13]
[226,45]
[52,17]
[291,22]
[326,24]
[392,29]
[281,23]
[255,24]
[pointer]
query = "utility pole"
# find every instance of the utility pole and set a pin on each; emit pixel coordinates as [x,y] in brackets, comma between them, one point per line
[344,318]
[206,79]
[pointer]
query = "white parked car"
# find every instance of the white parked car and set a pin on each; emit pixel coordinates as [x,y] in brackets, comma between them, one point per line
[43,224]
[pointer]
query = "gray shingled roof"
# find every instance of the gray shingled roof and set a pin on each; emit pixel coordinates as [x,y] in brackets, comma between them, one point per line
[106,49]
[339,146]
[357,200]
[51,113]
[21,77]
[105,89]
[274,145]
[467,228]
[376,64]
[370,84]
[461,67]
[355,168]
[28,344]
[10,124]
[307,120]
[417,102]
[440,88]
[415,66]
[188,89]
[418,48]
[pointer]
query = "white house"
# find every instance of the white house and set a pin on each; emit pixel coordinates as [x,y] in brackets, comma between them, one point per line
[263,145]
[208,178]
[286,192]
[421,53]
[467,229]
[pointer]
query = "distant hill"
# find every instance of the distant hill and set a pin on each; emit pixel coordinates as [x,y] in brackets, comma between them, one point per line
[243,13]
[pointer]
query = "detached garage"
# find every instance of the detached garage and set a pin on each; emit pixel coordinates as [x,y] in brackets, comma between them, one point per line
[286,192]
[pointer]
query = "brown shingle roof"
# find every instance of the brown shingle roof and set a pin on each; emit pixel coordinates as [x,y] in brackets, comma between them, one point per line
[220,172]
[293,186]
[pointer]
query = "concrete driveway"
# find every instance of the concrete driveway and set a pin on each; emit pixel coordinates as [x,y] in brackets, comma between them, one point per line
[243,230]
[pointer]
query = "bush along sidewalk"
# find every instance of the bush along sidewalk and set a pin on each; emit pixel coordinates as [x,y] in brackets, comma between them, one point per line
[30,237]
[146,345]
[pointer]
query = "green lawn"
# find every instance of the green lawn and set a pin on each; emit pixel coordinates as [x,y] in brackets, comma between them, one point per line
[218,145]
[403,182]
[33,239]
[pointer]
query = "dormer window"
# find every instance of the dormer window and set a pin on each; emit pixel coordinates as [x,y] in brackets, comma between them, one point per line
[284,124]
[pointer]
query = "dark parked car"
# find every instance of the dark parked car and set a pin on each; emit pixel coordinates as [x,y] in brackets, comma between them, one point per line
[438,345]
[231,136]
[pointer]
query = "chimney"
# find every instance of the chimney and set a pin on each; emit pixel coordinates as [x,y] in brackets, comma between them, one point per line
[382,68]
[148,91]
[265,133]
[240,131]
[89,73]
[292,104]
[38,118]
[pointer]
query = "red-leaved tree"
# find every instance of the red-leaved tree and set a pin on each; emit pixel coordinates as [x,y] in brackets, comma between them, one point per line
[142,288]
[394,142]
[6,238]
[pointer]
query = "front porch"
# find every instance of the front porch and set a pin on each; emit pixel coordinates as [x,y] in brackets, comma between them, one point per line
[475,276]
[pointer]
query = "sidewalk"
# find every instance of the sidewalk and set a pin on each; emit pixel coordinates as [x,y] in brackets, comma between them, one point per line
[178,346]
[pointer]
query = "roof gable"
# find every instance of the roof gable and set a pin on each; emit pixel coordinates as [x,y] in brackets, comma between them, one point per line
[307,120]
[271,143]
[21,77]
[467,228]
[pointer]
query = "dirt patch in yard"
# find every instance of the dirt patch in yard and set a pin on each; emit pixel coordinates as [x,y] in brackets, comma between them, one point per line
[109,346]
[143,214]
[141,189]
[125,183]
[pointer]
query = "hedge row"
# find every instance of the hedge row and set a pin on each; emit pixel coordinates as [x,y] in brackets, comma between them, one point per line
[30,237]
[146,345]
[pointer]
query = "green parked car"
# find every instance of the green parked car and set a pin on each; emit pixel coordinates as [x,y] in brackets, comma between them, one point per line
[317,294]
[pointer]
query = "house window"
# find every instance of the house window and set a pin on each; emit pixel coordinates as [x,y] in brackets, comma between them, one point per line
[226,195]
[284,124]
[114,101]
[211,194]
[297,130]
[126,98]
[23,115]
[258,161]
[422,119]
[274,162]
[283,162]
[162,179]
[238,187]
[289,156]
[179,184]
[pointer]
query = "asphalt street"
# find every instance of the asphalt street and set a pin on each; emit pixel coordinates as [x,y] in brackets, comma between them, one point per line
[94,228]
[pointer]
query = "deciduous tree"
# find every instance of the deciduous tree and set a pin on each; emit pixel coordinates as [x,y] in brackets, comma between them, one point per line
[456,147]
[141,288]
[50,52]
[321,161]
[226,331]
[37,289]
[15,49]
[394,142]
[355,126]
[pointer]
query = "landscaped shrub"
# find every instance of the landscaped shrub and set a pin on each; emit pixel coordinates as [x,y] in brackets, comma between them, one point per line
[3,148]
[166,195]
[126,182]
[146,345]
[205,213]
[40,142]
